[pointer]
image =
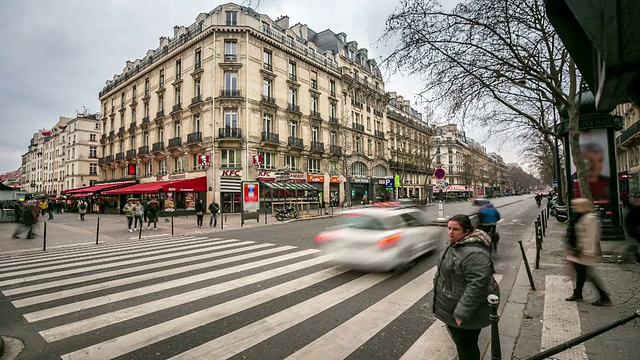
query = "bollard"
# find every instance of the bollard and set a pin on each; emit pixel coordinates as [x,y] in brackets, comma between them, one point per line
[544,225]
[526,266]
[44,237]
[265,214]
[221,218]
[496,351]
[140,232]
[538,245]
[97,230]
[171,224]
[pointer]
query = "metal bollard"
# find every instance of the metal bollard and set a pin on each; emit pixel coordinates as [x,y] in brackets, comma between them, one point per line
[526,266]
[140,232]
[171,224]
[265,214]
[44,237]
[538,244]
[496,350]
[221,218]
[97,230]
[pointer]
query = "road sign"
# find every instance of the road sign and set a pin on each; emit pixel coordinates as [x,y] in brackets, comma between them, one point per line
[439,173]
[555,181]
[446,184]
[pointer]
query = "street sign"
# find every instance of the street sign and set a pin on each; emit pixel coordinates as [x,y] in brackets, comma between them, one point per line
[439,173]
[555,181]
[396,180]
[446,184]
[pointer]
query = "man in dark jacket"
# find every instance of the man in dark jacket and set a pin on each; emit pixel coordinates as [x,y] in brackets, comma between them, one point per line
[462,284]
[632,223]
[28,219]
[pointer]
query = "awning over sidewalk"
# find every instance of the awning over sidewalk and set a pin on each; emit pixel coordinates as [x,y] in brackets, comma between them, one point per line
[97,188]
[288,186]
[196,185]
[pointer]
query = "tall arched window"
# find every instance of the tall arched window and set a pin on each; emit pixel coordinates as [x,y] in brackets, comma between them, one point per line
[379,171]
[359,168]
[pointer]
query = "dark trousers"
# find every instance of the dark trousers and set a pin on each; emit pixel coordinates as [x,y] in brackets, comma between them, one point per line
[584,272]
[22,228]
[129,221]
[213,219]
[199,221]
[466,342]
[81,216]
[138,219]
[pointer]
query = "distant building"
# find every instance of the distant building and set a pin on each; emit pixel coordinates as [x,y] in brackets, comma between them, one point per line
[628,150]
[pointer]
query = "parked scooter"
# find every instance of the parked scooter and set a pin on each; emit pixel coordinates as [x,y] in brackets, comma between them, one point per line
[561,213]
[289,212]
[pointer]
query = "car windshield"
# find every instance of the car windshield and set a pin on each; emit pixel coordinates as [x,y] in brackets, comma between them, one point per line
[365,222]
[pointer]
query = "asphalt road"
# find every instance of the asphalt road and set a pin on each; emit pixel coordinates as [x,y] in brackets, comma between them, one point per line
[258,293]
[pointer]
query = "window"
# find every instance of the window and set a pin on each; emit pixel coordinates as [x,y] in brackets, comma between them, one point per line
[145,138]
[266,60]
[134,92]
[369,147]
[93,169]
[268,160]
[368,123]
[162,167]
[230,119]
[359,168]
[267,123]
[133,115]
[92,137]
[146,87]
[148,169]
[176,129]
[292,71]
[198,59]
[332,138]
[146,109]
[292,162]
[178,164]
[314,82]
[230,80]
[293,97]
[313,165]
[122,100]
[266,88]
[231,18]
[178,69]
[161,79]
[160,134]
[358,148]
[332,111]
[93,151]
[230,50]
[196,88]
[230,158]
[293,129]
[332,88]
[160,103]
[178,94]
[196,123]
[314,104]
[333,167]
[314,133]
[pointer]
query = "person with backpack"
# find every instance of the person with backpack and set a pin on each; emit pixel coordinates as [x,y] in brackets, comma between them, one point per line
[488,218]
[213,210]
[152,214]
[82,209]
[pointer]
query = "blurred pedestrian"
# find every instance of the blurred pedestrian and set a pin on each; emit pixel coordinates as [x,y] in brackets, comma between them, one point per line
[82,209]
[28,220]
[152,214]
[462,284]
[213,211]
[583,250]
[632,223]
[138,216]
[129,211]
[50,207]
[199,213]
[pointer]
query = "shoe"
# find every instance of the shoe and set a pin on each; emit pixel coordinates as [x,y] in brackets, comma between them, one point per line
[602,302]
[130,230]
[574,297]
[155,229]
[15,237]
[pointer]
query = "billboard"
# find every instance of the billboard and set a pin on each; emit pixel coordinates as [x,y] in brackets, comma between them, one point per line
[250,196]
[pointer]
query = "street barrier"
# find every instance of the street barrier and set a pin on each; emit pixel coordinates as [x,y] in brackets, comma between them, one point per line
[496,350]
[582,338]
[526,265]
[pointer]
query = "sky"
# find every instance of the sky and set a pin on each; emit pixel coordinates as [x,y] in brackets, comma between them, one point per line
[57,55]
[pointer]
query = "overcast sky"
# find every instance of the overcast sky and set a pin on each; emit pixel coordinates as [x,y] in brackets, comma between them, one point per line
[57,55]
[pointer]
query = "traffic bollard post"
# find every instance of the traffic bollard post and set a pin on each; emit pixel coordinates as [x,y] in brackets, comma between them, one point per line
[526,266]
[496,350]
[44,237]
[140,232]
[172,224]
[97,230]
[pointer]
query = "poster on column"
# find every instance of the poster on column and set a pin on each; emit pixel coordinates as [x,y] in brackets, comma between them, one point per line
[595,153]
[190,200]
[169,203]
[250,196]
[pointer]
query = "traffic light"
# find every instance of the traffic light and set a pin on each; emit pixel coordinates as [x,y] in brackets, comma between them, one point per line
[131,170]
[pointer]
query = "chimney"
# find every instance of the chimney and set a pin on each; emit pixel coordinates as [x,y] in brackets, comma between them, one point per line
[283,21]
[175,30]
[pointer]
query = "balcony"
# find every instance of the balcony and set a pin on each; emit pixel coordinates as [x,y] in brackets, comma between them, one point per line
[268,100]
[293,77]
[100,161]
[335,149]
[334,120]
[379,134]
[121,130]
[296,142]
[294,108]
[230,94]
[356,104]
[231,57]
[194,138]
[176,107]
[315,115]
[629,133]
[317,146]
[143,150]
[175,142]
[230,133]
[377,113]
[131,154]
[158,147]
[103,138]
[358,127]
[270,137]
[108,159]
[196,99]
[145,121]
[160,114]
[267,67]
[132,126]
[120,156]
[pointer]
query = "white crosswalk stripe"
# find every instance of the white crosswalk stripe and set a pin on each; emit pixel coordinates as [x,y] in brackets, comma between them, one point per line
[233,296]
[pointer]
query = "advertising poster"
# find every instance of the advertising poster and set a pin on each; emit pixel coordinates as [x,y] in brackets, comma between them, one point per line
[190,200]
[169,203]
[595,153]
[250,196]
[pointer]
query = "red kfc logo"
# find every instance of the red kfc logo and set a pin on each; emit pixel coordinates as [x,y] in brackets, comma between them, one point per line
[231,173]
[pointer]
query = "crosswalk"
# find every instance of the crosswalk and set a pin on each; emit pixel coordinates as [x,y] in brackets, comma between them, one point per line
[201,297]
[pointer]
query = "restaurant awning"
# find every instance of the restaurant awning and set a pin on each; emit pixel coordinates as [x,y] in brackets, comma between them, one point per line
[197,185]
[97,188]
[287,185]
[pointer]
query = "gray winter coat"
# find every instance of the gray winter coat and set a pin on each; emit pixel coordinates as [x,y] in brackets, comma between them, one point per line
[463,282]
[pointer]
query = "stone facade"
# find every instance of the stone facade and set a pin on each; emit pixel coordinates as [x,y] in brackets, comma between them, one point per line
[628,150]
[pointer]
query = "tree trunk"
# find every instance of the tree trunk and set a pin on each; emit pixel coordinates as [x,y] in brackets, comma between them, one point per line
[576,154]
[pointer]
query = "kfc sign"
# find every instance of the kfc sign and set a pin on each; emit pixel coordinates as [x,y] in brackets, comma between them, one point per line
[203,161]
[266,174]
[230,173]
[257,160]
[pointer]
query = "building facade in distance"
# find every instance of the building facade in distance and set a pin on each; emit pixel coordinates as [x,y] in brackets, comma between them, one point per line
[628,150]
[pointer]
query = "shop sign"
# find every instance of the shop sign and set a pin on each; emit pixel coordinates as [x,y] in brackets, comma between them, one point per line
[388,184]
[291,177]
[315,178]
[334,179]
[266,174]
[231,173]
[177,176]
[359,179]
[250,198]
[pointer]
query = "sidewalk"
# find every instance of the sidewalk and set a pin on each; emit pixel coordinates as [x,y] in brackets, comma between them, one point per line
[534,318]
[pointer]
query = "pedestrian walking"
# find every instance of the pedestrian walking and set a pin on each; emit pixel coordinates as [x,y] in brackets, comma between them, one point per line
[129,211]
[199,213]
[213,211]
[49,209]
[632,223]
[462,284]
[17,210]
[28,220]
[82,209]
[583,250]
[145,204]
[152,214]
[138,216]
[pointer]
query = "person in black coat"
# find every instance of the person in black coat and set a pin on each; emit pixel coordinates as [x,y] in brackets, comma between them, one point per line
[28,220]
[199,213]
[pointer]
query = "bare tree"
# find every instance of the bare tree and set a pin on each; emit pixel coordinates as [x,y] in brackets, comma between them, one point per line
[492,61]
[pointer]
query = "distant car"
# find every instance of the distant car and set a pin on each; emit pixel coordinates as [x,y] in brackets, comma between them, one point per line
[479,200]
[397,204]
[378,239]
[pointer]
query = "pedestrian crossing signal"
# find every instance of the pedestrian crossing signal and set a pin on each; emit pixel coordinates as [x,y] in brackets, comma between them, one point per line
[132,169]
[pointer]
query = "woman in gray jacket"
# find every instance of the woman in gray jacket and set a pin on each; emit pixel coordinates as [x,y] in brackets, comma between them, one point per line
[462,284]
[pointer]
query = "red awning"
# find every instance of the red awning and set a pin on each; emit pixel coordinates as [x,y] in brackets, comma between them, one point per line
[197,185]
[96,188]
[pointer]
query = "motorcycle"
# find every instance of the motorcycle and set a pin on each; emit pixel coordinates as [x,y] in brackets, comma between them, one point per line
[561,213]
[288,212]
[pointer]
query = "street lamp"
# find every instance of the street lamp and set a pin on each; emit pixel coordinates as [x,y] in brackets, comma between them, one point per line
[557,162]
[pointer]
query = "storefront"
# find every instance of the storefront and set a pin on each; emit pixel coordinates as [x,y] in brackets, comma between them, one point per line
[231,190]
[317,182]
[334,190]
[360,189]
[94,196]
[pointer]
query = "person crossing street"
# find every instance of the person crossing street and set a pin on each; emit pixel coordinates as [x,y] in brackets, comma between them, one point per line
[213,210]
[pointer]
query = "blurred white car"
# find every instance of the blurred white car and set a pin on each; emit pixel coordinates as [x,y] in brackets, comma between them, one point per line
[379,239]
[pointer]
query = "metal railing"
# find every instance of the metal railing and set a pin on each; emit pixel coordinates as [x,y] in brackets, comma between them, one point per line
[145,120]
[230,93]
[120,156]
[131,153]
[293,108]
[196,99]
[358,127]
[295,142]
[266,99]
[379,134]
[315,115]
[160,114]
[132,126]
[177,107]
[230,133]
[143,150]
[159,146]
[270,137]
[175,142]
[230,57]
[194,138]
[335,149]
[317,146]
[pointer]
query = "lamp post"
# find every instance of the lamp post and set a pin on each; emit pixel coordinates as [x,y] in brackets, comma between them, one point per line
[557,162]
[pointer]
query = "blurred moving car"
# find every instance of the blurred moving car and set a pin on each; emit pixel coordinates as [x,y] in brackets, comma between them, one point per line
[479,200]
[378,239]
[397,204]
